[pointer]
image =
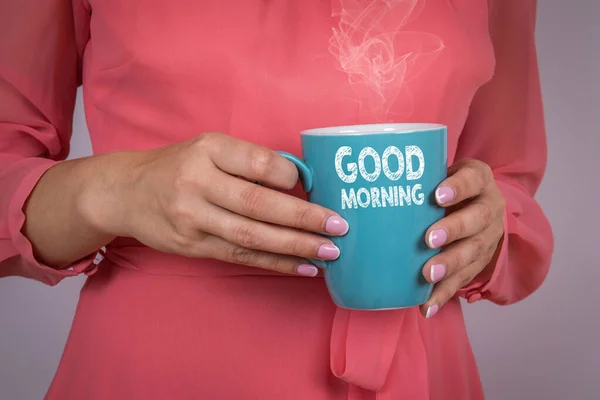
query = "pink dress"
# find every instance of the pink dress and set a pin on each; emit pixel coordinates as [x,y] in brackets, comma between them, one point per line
[158,326]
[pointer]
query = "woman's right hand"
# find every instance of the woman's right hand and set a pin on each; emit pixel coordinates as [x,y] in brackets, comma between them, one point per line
[197,199]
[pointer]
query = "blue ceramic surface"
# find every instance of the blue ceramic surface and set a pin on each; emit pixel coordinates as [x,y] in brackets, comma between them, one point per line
[381,179]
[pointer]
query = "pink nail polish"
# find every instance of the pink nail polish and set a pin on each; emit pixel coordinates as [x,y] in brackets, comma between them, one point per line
[336,225]
[444,194]
[432,310]
[328,252]
[307,270]
[437,272]
[437,238]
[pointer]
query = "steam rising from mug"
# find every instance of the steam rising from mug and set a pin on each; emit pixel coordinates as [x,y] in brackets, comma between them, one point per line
[378,56]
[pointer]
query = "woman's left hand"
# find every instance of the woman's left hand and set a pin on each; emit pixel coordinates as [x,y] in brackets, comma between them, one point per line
[470,232]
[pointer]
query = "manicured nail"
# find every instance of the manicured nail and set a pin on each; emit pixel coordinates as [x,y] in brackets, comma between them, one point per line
[437,272]
[307,270]
[444,194]
[432,310]
[328,252]
[437,238]
[336,225]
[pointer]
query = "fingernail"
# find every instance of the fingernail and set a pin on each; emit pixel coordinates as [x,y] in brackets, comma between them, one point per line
[328,252]
[432,310]
[444,194]
[437,238]
[307,270]
[336,225]
[437,272]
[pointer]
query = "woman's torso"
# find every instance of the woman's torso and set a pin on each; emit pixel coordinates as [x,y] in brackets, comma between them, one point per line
[158,72]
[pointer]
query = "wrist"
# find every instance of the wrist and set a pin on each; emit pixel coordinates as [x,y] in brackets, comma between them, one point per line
[105,199]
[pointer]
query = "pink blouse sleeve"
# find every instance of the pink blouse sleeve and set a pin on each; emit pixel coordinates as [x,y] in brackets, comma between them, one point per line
[506,130]
[41,43]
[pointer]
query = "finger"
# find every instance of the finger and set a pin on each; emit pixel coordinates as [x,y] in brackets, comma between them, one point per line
[446,289]
[468,178]
[253,162]
[477,216]
[460,254]
[220,249]
[255,235]
[268,205]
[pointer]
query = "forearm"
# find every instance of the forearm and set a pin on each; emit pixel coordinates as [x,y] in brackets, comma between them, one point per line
[65,211]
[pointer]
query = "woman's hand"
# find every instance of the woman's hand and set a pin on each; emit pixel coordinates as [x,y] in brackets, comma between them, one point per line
[196,199]
[470,232]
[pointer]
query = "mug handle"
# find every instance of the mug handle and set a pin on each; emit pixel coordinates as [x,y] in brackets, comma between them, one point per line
[305,172]
[306,178]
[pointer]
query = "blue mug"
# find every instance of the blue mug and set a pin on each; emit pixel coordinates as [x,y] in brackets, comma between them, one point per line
[381,178]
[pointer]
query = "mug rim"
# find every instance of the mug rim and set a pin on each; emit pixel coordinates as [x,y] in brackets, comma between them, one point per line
[373,129]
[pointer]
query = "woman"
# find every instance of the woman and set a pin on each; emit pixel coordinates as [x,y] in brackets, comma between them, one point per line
[205,291]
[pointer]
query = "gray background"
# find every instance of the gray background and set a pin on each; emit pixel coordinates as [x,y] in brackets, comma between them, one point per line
[545,347]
